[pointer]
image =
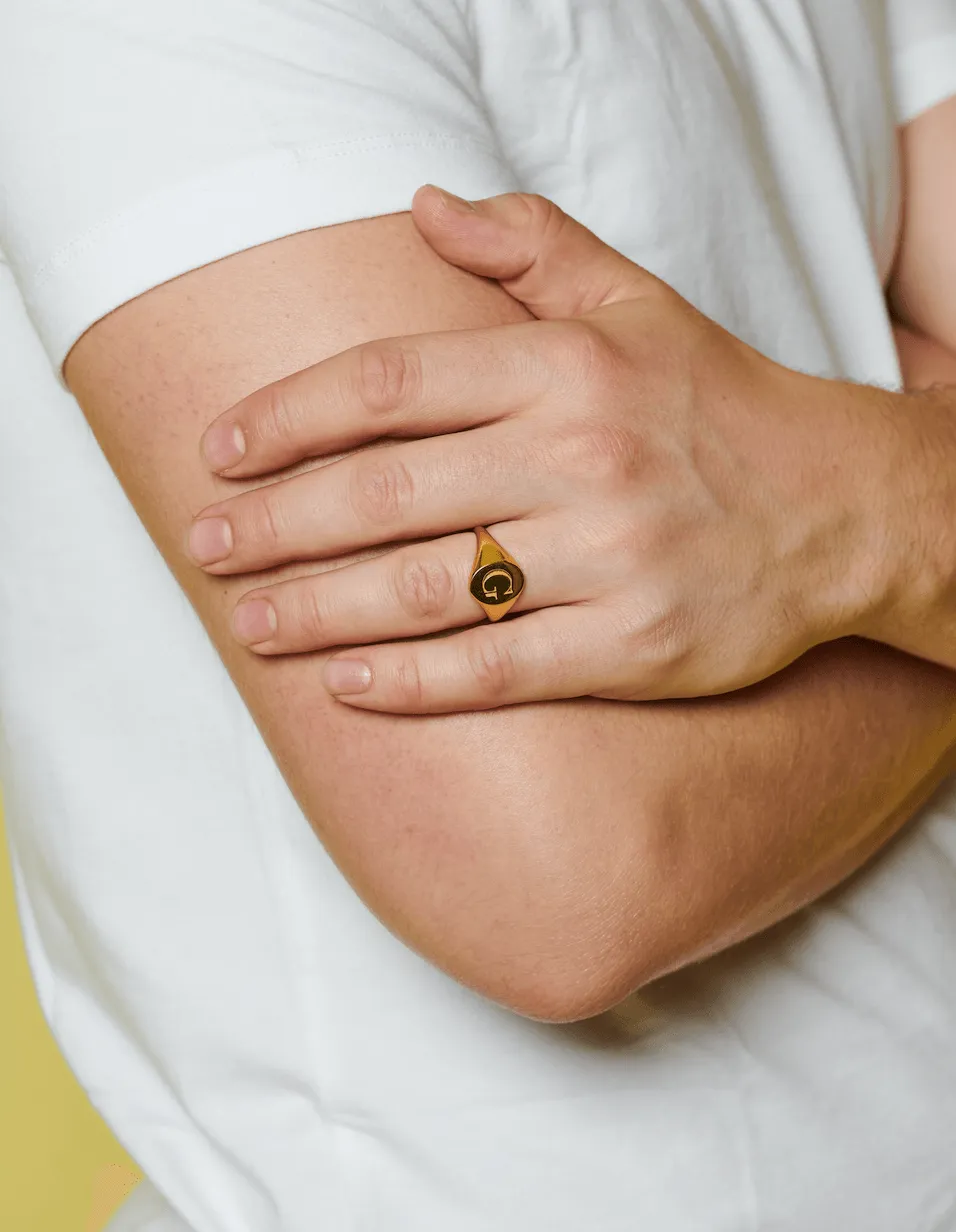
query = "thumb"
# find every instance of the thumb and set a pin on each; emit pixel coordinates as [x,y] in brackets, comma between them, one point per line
[541,256]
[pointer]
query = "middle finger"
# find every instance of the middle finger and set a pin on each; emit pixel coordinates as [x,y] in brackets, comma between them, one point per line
[376,496]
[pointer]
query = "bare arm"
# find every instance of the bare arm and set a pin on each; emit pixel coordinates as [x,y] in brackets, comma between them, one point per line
[553,856]
[925,362]
[917,508]
[923,286]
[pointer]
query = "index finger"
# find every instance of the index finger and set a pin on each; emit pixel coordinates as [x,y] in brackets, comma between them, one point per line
[412,386]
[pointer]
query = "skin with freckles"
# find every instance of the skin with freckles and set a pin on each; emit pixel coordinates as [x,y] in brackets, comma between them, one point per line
[554,856]
[690,516]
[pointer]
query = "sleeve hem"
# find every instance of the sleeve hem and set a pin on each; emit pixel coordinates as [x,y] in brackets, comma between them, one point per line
[241,206]
[924,76]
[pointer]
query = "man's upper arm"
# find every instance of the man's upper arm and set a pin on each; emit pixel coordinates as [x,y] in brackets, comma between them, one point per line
[923,286]
[556,855]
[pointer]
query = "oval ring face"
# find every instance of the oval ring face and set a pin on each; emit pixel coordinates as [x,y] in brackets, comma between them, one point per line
[499,582]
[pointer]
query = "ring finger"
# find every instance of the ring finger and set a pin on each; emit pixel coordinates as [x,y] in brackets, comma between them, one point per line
[410,592]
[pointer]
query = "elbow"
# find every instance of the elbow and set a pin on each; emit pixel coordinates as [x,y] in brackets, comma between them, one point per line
[582,943]
[588,980]
[555,909]
[577,983]
[573,999]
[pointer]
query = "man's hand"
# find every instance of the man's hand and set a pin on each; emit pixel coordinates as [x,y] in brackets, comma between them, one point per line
[690,516]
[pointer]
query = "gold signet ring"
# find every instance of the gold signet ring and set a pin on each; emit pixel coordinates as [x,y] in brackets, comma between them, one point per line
[496,577]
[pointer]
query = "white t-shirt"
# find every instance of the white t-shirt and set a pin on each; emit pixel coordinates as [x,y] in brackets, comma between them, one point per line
[275,1059]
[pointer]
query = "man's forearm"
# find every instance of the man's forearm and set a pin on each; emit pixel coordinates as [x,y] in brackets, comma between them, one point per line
[846,744]
[692,825]
[914,579]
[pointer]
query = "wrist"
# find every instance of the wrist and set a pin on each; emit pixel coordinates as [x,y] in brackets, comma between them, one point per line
[841,540]
[907,562]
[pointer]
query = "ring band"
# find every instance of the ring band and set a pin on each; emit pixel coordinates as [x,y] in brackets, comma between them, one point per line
[496,577]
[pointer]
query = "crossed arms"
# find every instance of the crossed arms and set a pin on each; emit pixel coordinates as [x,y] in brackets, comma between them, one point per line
[553,856]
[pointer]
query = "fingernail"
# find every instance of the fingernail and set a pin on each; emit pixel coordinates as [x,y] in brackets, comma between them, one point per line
[458,204]
[210,540]
[347,676]
[223,445]
[254,620]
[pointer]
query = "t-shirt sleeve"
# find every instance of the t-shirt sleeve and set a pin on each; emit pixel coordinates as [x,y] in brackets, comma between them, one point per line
[923,43]
[140,139]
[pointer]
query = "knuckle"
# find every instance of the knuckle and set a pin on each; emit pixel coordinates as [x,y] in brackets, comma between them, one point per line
[424,587]
[276,416]
[382,492]
[272,528]
[493,666]
[588,359]
[657,635]
[388,377]
[407,681]
[614,537]
[311,617]
[604,452]
[540,212]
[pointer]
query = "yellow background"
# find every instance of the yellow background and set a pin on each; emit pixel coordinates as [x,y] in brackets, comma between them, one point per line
[60,1168]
